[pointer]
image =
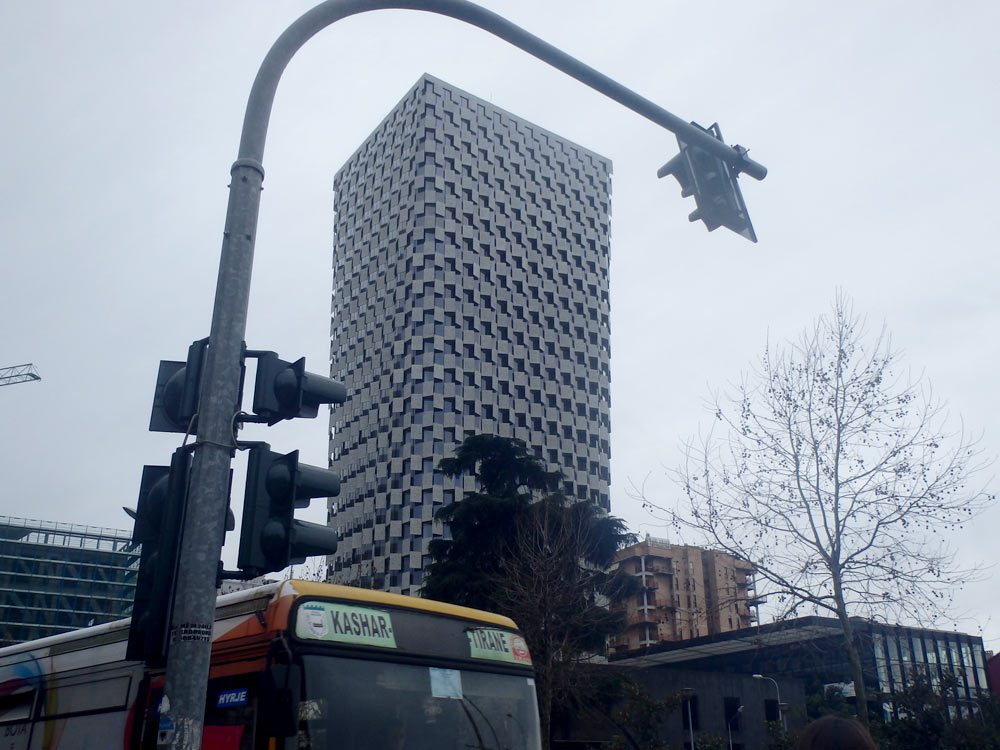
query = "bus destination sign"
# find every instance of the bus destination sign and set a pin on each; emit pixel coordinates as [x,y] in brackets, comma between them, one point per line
[345,623]
[498,645]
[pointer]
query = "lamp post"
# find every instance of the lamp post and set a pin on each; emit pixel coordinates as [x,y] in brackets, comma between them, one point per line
[777,692]
[182,707]
[729,725]
[688,694]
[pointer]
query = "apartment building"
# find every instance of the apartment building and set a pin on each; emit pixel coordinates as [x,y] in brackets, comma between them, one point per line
[687,592]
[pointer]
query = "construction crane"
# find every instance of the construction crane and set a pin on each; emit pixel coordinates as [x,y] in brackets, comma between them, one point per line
[18,374]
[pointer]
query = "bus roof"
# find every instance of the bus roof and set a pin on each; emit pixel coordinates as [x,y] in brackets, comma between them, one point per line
[311,588]
[238,601]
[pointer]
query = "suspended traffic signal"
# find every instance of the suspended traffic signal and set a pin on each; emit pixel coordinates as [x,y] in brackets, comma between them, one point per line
[271,538]
[175,401]
[284,390]
[713,183]
[159,520]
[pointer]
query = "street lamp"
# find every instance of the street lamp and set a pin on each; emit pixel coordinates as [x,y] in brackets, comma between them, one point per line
[777,692]
[194,599]
[688,694]
[729,725]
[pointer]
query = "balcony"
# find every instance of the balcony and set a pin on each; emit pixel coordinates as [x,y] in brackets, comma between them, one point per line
[642,617]
[660,566]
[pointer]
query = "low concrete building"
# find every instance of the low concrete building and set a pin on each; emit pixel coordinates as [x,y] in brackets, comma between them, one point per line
[812,649]
[707,706]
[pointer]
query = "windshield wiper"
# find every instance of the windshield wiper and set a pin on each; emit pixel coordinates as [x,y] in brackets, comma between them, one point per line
[475,727]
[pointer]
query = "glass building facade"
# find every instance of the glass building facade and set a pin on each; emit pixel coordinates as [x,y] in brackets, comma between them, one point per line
[56,577]
[812,649]
[953,663]
[471,256]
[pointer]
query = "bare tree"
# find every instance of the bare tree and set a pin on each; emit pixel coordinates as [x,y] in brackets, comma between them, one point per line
[313,569]
[554,578]
[833,474]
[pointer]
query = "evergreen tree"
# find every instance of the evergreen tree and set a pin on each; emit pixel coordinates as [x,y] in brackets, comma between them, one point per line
[522,549]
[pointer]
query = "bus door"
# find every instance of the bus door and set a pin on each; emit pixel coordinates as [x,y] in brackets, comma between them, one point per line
[231,706]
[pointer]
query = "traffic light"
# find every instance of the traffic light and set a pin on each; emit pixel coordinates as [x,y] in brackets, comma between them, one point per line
[159,520]
[284,390]
[175,401]
[713,184]
[271,538]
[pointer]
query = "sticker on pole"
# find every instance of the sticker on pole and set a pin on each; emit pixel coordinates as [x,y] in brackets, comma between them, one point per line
[498,645]
[345,623]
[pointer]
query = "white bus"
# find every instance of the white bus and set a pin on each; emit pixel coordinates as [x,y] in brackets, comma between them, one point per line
[297,664]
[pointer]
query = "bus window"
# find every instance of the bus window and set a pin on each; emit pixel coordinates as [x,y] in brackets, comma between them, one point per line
[16,707]
[82,712]
[85,697]
[15,715]
[354,704]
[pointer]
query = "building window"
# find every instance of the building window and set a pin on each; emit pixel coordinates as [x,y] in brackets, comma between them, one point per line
[771,710]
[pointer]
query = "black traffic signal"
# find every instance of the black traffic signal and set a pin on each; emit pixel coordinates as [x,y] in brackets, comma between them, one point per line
[159,520]
[713,184]
[284,390]
[270,538]
[175,401]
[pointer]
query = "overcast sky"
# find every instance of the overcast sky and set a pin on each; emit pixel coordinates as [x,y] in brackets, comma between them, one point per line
[878,122]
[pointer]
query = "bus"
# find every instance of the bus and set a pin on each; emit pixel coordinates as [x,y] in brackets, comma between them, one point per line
[295,665]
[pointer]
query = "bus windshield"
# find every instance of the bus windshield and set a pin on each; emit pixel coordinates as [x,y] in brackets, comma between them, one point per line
[354,704]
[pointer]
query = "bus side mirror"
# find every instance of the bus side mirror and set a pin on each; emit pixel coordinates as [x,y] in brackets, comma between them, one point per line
[279,700]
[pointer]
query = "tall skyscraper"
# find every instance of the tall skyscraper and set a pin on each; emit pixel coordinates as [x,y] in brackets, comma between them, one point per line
[470,295]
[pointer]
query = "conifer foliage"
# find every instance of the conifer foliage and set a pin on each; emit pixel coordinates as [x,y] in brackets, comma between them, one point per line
[521,548]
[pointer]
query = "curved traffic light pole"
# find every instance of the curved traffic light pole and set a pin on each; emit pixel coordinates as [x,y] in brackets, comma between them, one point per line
[182,711]
[262,94]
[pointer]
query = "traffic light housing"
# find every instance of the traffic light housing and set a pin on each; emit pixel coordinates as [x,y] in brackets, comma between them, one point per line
[713,183]
[284,390]
[271,538]
[159,520]
[175,401]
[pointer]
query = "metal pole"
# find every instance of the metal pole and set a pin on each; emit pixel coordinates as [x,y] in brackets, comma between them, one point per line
[331,11]
[777,693]
[182,710]
[729,726]
[689,692]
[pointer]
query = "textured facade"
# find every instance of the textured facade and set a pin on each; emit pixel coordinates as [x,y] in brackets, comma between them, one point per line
[470,296]
[56,577]
[687,592]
